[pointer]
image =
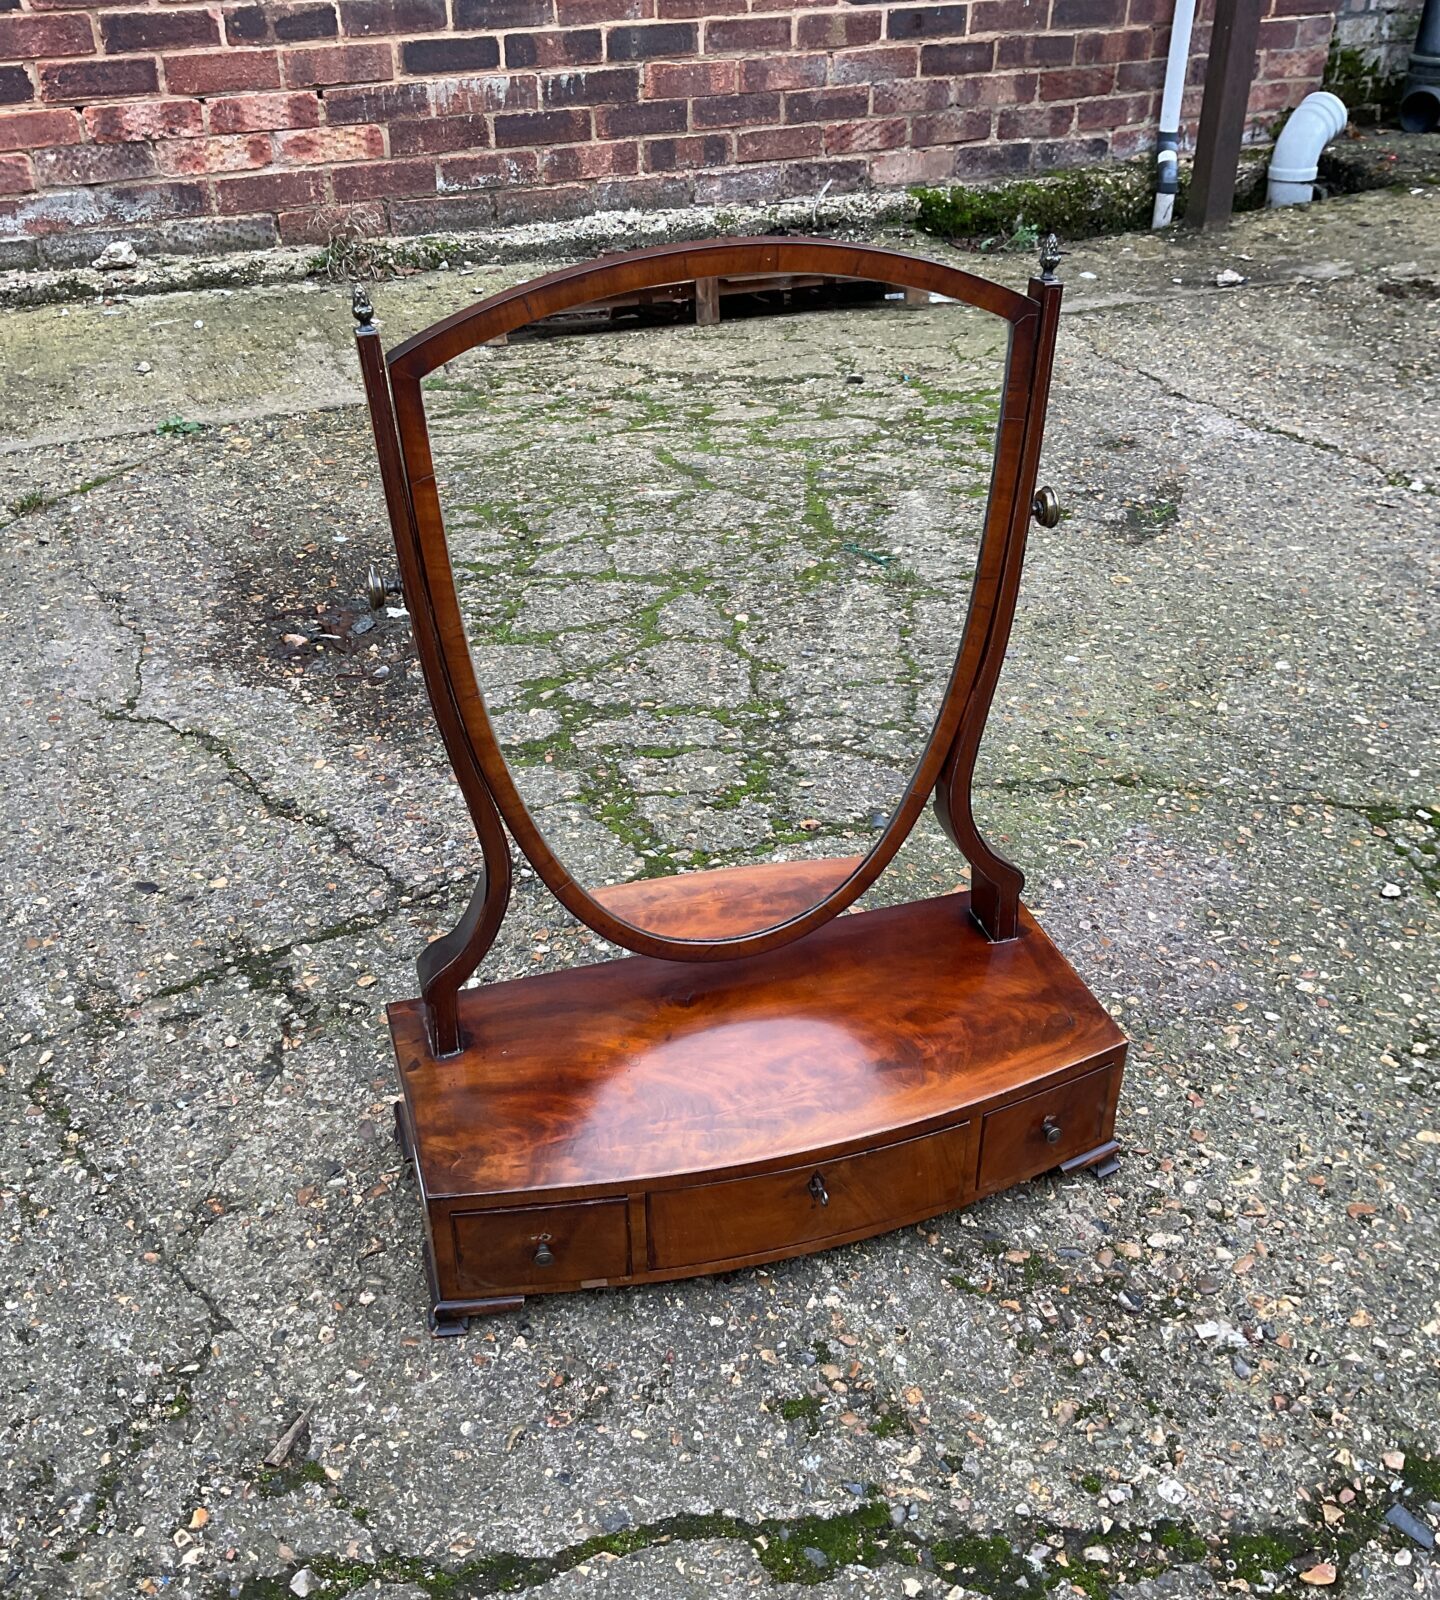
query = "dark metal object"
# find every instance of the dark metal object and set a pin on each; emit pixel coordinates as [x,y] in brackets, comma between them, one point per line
[1051,1129]
[1045,507]
[818,1189]
[544,1256]
[1050,253]
[1420,103]
[360,307]
[1223,112]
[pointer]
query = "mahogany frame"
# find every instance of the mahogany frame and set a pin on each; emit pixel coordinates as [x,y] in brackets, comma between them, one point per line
[946,767]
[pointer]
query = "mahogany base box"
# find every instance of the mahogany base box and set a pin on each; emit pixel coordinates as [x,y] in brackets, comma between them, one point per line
[642,1119]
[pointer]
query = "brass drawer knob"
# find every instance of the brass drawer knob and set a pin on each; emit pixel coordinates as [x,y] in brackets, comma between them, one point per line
[1051,1129]
[544,1257]
[1045,507]
[818,1189]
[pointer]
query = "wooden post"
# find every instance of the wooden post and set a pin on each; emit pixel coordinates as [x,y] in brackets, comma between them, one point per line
[707,302]
[1222,113]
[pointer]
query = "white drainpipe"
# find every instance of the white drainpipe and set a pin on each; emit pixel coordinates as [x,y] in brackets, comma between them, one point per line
[1167,149]
[1295,160]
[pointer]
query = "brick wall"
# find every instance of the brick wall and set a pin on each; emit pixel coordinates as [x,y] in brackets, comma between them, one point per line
[195,127]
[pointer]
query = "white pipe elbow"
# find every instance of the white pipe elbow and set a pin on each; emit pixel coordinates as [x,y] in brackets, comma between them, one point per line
[1295,160]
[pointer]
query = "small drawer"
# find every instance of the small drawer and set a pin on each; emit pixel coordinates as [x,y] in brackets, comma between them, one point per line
[782,1211]
[1032,1135]
[527,1249]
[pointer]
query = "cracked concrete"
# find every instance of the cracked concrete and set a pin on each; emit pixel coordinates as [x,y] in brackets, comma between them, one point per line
[228,828]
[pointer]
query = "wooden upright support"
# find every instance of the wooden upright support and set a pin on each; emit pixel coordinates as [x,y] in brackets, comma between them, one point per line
[1228,76]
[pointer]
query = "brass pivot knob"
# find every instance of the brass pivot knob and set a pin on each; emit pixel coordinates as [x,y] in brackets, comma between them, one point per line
[1051,1129]
[1045,507]
[544,1257]
[377,589]
[818,1189]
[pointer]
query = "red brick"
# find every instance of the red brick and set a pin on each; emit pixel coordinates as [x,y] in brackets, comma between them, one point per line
[1133,141]
[313,147]
[377,180]
[1036,50]
[1034,122]
[670,155]
[929,22]
[577,47]
[257,113]
[321,224]
[745,183]
[827,105]
[362,19]
[126,32]
[911,166]
[916,94]
[73,164]
[951,127]
[144,119]
[1071,153]
[15,175]
[1079,83]
[735,110]
[685,10]
[649,194]
[832,177]
[579,161]
[1132,75]
[1315,30]
[465,97]
[835,30]
[875,66]
[215,72]
[1114,111]
[26,130]
[1115,44]
[782,72]
[544,205]
[268,191]
[650,116]
[991,160]
[993,89]
[282,24]
[97,80]
[25,38]
[234,152]
[779,144]
[683,81]
[543,127]
[443,215]
[881,133]
[609,86]
[16,87]
[1008,16]
[957,60]
[1278,33]
[438,135]
[490,171]
[640,41]
[374,103]
[481,16]
[582,13]
[338,63]
[748,33]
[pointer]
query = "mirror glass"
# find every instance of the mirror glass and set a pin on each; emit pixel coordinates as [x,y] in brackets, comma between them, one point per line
[714,578]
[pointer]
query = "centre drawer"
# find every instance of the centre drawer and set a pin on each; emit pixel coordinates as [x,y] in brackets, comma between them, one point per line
[780,1211]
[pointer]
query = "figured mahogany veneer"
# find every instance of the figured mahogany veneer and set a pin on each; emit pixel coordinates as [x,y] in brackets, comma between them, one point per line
[645,1119]
[765,1075]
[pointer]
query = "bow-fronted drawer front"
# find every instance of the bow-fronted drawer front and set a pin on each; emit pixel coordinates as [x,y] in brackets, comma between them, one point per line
[526,1250]
[1032,1135]
[778,1213]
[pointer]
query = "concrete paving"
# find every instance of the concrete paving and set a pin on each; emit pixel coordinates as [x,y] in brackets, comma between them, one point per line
[228,828]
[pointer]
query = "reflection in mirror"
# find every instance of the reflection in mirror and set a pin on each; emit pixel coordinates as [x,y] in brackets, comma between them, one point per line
[714,580]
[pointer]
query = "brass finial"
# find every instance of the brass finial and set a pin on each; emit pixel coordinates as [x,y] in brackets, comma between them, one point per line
[360,306]
[1050,254]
